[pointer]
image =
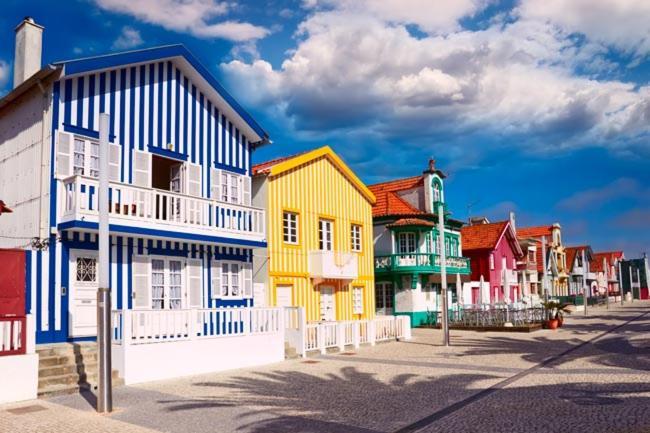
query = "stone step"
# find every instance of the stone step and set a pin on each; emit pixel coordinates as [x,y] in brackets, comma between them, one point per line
[71,359]
[69,379]
[66,349]
[63,389]
[60,369]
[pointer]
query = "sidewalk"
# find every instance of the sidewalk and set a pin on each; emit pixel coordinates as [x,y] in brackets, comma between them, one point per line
[393,385]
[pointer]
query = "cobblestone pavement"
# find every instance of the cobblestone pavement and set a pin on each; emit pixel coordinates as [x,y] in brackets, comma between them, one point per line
[591,375]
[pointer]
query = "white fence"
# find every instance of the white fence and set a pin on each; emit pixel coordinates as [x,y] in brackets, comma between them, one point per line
[320,336]
[19,362]
[162,344]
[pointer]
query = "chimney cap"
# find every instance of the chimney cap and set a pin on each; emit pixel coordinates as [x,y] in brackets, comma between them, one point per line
[28,20]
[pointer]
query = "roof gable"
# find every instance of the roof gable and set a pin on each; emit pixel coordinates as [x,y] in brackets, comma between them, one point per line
[282,165]
[196,70]
[488,236]
[535,232]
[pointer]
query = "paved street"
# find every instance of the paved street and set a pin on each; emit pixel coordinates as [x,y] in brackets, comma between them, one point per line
[592,375]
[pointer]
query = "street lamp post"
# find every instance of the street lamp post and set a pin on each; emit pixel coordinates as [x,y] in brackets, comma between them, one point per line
[443,275]
[585,289]
[105,392]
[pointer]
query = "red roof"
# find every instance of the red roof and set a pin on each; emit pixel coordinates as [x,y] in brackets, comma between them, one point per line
[596,264]
[265,167]
[534,232]
[571,253]
[389,202]
[482,236]
[411,222]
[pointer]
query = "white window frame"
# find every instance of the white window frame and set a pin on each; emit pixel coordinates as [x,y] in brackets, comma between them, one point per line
[166,298]
[492,261]
[355,237]
[231,187]
[226,280]
[404,239]
[290,227]
[325,243]
[357,300]
[87,169]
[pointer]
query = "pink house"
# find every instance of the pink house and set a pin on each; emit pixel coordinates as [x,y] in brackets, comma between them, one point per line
[494,251]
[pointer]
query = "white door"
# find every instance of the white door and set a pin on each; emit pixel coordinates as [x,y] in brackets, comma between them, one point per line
[283,296]
[83,294]
[327,308]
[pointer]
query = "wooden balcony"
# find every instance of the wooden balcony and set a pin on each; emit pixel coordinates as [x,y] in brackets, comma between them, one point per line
[420,263]
[133,206]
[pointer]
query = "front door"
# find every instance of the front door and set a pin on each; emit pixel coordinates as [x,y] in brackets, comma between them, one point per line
[83,295]
[283,295]
[327,307]
[384,294]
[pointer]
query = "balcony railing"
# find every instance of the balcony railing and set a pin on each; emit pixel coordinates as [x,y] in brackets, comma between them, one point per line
[420,262]
[135,205]
[333,264]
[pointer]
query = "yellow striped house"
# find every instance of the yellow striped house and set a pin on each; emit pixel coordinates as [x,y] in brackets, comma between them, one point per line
[319,232]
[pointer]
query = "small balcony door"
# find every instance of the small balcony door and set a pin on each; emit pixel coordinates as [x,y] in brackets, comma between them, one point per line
[406,247]
[327,304]
[384,295]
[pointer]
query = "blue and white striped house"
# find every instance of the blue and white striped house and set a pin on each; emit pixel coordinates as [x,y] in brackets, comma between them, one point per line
[182,228]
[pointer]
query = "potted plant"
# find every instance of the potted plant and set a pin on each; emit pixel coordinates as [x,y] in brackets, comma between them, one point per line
[555,314]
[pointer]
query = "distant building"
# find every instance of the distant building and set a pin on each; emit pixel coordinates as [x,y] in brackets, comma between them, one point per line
[606,267]
[555,271]
[578,260]
[634,277]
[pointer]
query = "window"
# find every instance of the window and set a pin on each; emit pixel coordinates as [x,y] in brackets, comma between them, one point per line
[492,261]
[406,243]
[355,237]
[436,193]
[230,187]
[86,269]
[166,284]
[357,300]
[579,260]
[230,280]
[532,256]
[447,247]
[325,235]
[86,158]
[435,247]
[290,227]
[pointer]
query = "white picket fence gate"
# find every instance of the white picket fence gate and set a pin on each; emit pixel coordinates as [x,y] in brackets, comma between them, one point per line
[319,336]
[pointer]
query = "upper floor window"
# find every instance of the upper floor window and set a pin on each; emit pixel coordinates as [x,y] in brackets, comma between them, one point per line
[230,190]
[355,237]
[325,237]
[290,227]
[230,280]
[357,300]
[532,256]
[86,158]
[436,193]
[406,243]
[491,261]
[579,260]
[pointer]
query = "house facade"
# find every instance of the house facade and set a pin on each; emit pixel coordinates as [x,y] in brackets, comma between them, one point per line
[548,239]
[635,277]
[581,276]
[527,268]
[494,253]
[182,228]
[606,267]
[319,253]
[407,246]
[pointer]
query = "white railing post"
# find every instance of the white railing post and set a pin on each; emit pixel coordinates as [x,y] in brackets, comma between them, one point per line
[30,336]
[340,335]
[191,326]
[126,327]
[356,334]
[372,332]
[320,338]
[406,327]
[302,331]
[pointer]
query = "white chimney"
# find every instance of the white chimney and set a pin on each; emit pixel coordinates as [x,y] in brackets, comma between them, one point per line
[29,46]
[512,222]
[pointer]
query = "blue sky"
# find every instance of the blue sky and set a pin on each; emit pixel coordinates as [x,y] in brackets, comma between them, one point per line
[537,106]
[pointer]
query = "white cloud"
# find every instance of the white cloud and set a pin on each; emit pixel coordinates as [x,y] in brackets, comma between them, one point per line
[128,38]
[188,16]
[353,70]
[5,71]
[622,24]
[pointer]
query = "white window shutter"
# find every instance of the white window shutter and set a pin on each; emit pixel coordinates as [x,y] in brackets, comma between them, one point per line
[248,280]
[246,190]
[216,279]
[114,162]
[194,269]
[192,179]
[141,285]
[215,184]
[142,169]
[64,155]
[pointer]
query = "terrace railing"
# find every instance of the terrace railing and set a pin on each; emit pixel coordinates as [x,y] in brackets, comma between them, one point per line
[427,262]
[13,335]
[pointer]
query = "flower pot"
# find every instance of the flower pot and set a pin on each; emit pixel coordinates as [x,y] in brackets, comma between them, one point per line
[553,323]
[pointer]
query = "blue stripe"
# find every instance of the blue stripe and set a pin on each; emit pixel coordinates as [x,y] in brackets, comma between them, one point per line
[129,278]
[132,91]
[111,106]
[65,282]
[28,282]
[170,72]
[151,85]
[224,125]
[102,91]
[73,129]
[230,168]
[122,116]
[120,264]
[91,102]
[159,84]
[186,145]
[193,129]
[80,102]
[237,148]
[177,113]
[201,126]
[52,270]
[209,145]
[55,124]
[230,143]
[39,294]
[67,107]
[160,233]
[215,145]
[143,71]
[167,153]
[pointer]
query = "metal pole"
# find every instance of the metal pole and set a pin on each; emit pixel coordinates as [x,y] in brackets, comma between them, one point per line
[631,288]
[638,280]
[105,393]
[585,289]
[544,270]
[620,279]
[443,275]
[606,268]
